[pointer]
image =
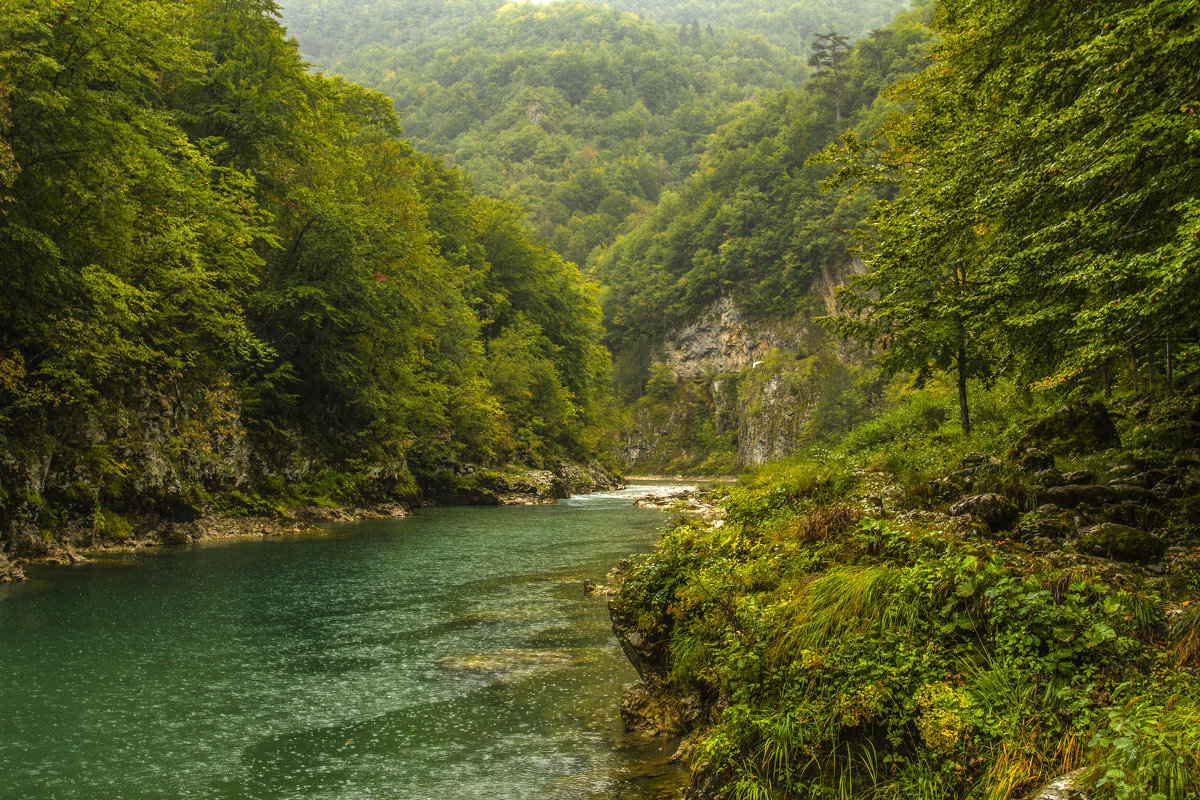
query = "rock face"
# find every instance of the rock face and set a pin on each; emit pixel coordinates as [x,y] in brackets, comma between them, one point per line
[722,340]
[744,391]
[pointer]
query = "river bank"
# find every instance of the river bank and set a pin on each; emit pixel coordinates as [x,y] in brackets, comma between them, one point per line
[79,538]
[964,624]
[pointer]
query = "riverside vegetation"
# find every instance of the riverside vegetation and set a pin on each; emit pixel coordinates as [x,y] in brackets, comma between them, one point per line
[230,286]
[904,616]
[955,590]
[954,271]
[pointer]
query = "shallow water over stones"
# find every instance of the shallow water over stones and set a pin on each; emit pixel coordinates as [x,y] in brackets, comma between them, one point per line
[449,655]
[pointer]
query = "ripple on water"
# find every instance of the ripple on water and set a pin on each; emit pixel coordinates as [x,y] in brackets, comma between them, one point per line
[450,655]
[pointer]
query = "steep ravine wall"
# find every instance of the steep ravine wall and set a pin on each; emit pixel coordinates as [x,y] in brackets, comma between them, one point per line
[732,392]
[161,469]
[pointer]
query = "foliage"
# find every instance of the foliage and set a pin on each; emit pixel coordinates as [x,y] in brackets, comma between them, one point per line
[219,269]
[753,221]
[579,114]
[1041,204]
[334,28]
[883,658]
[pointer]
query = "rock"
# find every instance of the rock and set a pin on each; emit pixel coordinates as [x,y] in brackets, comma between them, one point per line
[946,487]
[10,572]
[1169,490]
[1122,473]
[1133,514]
[1079,477]
[1075,428]
[648,709]
[1127,492]
[975,459]
[1048,477]
[1064,787]
[647,657]
[722,339]
[1048,522]
[1033,459]
[1073,494]
[1113,540]
[966,526]
[1150,478]
[995,509]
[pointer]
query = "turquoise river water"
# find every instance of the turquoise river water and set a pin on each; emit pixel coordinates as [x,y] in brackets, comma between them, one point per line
[448,655]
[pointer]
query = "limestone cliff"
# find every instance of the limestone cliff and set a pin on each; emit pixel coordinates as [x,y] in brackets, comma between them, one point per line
[728,392]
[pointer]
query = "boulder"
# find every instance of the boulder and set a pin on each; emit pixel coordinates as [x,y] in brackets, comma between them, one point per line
[1073,494]
[1127,492]
[1032,459]
[1113,540]
[995,509]
[975,460]
[1048,477]
[1079,477]
[1048,522]
[1135,515]
[1074,428]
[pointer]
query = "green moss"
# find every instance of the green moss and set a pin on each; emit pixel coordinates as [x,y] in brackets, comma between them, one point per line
[1120,541]
[111,525]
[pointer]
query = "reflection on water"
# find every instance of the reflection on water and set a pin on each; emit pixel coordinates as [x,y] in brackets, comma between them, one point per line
[451,655]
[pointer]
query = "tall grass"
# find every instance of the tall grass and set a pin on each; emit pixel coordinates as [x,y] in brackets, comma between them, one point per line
[846,601]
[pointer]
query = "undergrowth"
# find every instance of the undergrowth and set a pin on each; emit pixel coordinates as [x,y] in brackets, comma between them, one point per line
[850,653]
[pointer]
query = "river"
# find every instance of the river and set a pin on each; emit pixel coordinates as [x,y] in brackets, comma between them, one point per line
[447,655]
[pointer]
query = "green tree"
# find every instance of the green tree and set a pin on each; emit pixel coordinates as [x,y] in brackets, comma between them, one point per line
[830,50]
[1055,146]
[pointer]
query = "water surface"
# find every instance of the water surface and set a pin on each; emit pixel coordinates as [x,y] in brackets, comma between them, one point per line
[449,655]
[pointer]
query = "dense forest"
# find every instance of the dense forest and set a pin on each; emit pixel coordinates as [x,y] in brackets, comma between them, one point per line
[579,114]
[928,270]
[228,281]
[977,578]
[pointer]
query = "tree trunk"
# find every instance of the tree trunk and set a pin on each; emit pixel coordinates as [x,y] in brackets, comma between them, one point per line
[1133,364]
[1170,368]
[1150,354]
[1107,376]
[964,413]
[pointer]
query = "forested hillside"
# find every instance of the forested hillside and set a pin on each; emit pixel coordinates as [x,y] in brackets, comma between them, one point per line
[229,283]
[329,30]
[685,126]
[976,572]
[754,220]
[580,114]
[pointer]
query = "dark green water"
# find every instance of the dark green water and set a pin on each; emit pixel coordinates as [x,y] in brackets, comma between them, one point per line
[450,655]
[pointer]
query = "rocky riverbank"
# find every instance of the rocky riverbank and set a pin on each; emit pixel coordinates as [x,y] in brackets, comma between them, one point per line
[75,540]
[838,615]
